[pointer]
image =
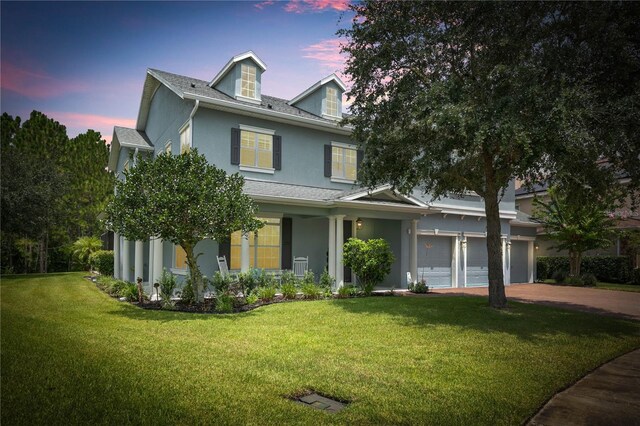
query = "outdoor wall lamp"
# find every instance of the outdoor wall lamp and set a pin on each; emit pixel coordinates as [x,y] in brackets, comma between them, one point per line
[463,243]
[536,246]
[358,224]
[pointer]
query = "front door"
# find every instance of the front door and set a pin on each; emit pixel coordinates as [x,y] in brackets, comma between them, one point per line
[346,234]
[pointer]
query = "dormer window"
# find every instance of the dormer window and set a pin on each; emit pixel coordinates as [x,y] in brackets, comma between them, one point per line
[248,81]
[332,102]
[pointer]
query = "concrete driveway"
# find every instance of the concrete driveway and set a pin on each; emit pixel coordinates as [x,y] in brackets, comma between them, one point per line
[623,304]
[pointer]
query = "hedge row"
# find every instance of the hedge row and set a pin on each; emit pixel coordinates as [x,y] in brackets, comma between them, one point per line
[102,261]
[606,268]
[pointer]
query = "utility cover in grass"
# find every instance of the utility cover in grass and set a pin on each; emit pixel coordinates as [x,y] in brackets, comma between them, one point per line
[320,402]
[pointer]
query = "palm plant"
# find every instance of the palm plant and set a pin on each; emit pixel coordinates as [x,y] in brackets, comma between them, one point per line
[83,247]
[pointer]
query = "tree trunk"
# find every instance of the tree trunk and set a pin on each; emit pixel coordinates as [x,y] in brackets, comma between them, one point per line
[497,297]
[575,259]
[42,256]
[194,272]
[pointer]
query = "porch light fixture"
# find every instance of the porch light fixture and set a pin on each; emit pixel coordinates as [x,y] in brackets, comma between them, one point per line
[536,246]
[463,243]
[358,224]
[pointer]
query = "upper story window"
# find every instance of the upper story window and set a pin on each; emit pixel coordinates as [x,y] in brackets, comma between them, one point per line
[332,102]
[344,163]
[179,258]
[248,81]
[167,148]
[264,246]
[185,139]
[256,150]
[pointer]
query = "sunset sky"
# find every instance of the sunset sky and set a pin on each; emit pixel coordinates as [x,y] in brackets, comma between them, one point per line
[84,64]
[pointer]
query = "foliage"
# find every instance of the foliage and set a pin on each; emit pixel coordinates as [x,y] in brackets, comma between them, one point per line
[112,286]
[419,287]
[308,278]
[370,260]
[84,247]
[129,291]
[326,281]
[347,291]
[310,290]
[182,199]
[635,276]
[251,298]
[575,226]
[224,303]
[249,280]
[560,276]
[221,282]
[168,284]
[288,289]
[102,261]
[574,281]
[450,97]
[266,294]
[589,280]
[605,268]
[266,279]
[188,294]
[288,278]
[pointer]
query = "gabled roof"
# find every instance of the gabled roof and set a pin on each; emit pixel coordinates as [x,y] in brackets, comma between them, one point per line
[233,61]
[310,90]
[384,194]
[128,138]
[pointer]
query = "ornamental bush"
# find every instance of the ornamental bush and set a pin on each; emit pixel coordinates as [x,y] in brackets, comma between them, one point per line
[102,261]
[605,268]
[370,260]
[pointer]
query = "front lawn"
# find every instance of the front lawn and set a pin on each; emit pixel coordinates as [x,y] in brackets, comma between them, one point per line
[71,354]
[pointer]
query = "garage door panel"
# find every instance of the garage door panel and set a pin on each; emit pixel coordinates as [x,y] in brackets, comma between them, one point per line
[434,260]
[477,262]
[519,261]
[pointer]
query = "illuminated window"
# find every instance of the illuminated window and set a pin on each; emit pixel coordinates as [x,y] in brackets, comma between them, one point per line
[264,246]
[256,149]
[167,147]
[126,165]
[332,101]
[248,81]
[344,163]
[179,258]
[185,139]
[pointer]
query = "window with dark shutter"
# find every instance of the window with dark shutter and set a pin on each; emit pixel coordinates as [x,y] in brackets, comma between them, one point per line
[235,146]
[359,161]
[287,254]
[327,160]
[277,152]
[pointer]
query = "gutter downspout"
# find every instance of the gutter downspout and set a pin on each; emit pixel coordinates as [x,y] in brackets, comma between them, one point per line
[193,112]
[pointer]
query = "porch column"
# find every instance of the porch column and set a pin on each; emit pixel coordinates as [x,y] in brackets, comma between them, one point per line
[157,259]
[150,268]
[464,261]
[116,256]
[339,243]
[139,261]
[244,253]
[530,262]
[332,247]
[126,264]
[413,260]
[455,261]
[505,266]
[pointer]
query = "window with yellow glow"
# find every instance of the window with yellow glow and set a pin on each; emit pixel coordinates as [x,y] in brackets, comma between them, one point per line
[180,258]
[256,149]
[264,246]
[332,101]
[185,140]
[344,163]
[248,81]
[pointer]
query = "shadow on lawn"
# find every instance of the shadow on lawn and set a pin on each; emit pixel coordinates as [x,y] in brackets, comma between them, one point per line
[524,320]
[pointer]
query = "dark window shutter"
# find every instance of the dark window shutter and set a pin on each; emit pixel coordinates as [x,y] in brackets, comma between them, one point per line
[327,160]
[360,156]
[235,146]
[277,152]
[224,249]
[287,255]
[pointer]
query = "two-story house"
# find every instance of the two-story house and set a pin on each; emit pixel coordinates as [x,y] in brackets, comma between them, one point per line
[301,168]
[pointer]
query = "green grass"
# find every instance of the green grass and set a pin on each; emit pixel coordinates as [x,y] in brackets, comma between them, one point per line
[609,286]
[71,354]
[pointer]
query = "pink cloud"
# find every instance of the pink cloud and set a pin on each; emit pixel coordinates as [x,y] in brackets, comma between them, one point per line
[327,52]
[264,4]
[305,6]
[36,84]
[77,123]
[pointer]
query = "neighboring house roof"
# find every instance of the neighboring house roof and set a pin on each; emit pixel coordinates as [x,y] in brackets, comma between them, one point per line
[313,88]
[234,60]
[193,88]
[128,138]
[523,219]
[536,188]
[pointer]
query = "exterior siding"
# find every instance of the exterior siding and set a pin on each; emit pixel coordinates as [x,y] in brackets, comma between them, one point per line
[167,114]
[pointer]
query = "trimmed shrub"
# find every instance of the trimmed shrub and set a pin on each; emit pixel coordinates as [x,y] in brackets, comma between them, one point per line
[326,280]
[605,268]
[221,282]
[288,277]
[419,287]
[130,291]
[370,260]
[589,280]
[224,303]
[575,281]
[289,290]
[310,290]
[347,291]
[560,276]
[636,277]
[266,294]
[102,261]
[168,284]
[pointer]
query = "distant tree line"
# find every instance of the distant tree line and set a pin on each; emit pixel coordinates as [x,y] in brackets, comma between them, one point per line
[53,191]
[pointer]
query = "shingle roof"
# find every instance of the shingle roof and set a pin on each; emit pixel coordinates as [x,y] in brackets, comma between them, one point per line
[183,84]
[300,192]
[132,138]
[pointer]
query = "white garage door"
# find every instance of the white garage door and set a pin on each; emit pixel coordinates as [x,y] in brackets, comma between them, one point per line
[477,262]
[434,260]
[519,261]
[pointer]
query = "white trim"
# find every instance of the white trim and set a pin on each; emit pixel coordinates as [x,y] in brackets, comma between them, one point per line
[469,234]
[342,180]
[521,238]
[381,189]
[310,90]
[344,145]
[256,101]
[177,271]
[233,61]
[269,171]
[331,117]
[471,211]
[256,129]
[439,233]
[168,147]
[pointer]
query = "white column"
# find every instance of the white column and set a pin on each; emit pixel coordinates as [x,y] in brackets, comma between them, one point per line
[339,243]
[139,261]
[413,253]
[508,258]
[455,261]
[157,259]
[150,268]
[126,264]
[530,261]
[244,253]
[332,247]
[116,256]
[464,261]
[505,277]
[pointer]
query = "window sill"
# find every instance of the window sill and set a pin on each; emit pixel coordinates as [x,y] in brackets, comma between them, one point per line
[177,271]
[332,117]
[257,170]
[247,99]
[342,180]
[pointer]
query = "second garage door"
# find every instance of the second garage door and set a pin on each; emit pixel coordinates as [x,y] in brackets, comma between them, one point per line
[477,262]
[434,261]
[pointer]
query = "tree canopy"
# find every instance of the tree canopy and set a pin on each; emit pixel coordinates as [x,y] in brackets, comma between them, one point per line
[467,96]
[181,199]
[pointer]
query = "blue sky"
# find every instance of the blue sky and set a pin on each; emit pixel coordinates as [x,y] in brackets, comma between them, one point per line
[84,63]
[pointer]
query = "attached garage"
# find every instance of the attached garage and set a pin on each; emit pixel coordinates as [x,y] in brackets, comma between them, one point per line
[477,262]
[434,260]
[519,261]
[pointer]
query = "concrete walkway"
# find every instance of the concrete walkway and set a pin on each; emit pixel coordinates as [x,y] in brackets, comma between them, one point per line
[608,396]
[622,304]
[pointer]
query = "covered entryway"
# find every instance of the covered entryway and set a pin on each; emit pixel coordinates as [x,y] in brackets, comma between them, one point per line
[434,260]
[519,261]
[477,262]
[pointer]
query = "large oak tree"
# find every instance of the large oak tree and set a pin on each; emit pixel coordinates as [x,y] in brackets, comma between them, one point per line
[467,96]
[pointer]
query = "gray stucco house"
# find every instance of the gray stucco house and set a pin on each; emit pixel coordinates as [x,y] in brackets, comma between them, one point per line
[300,167]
